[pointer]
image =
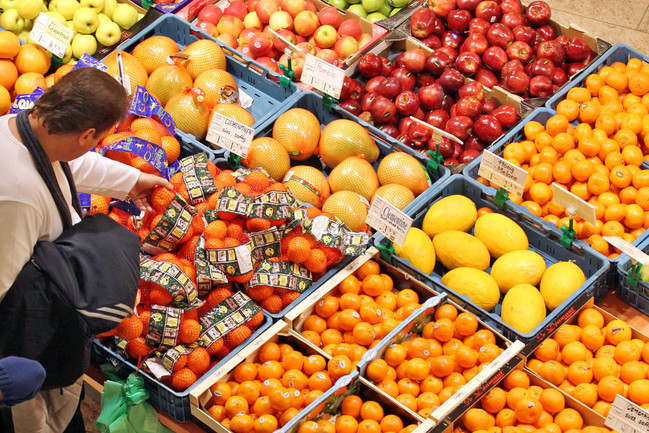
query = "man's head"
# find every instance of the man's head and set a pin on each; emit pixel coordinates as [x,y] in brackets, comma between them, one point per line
[85,98]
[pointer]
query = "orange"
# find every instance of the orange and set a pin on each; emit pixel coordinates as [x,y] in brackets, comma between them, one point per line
[604,366]
[568,419]
[553,372]
[638,83]
[245,371]
[532,128]
[592,337]
[371,267]
[552,400]
[580,372]
[346,424]
[235,405]
[351,406]
[447,311]
[582,170]
[517,378]
[617,80]
[350,284]
[617,331]
[369,426]
[515,395]
[339,366]
[586,393]
[442,366]
[407,296]
[494,401]
[632,371]
[528,410]
[639,391]
[608,387]
[466,324]
[579,94]
[505,419]
[548,350]
[626,351]
[602,407]
[574,351]
[569,109]
[371,410]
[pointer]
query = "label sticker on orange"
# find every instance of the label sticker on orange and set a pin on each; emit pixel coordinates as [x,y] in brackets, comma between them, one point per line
[388,220]
[323,76]
[627,417]
[51,35]
[573,204]
[230,135]
[631,251]
[503,173]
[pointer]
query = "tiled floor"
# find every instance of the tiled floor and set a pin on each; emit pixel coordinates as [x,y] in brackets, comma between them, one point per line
[615,21]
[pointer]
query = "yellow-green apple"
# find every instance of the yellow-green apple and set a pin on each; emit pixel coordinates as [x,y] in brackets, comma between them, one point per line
[97,5]
[305,23]
[325,36]
[329,15]
[251,21]
[53,14]
[85,21]
[280,20]
[109,8]
[29,9]
[125,15]
[83,44]
[12,21]
[108,33]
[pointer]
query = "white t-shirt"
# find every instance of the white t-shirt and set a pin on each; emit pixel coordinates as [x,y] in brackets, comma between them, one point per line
[27,210]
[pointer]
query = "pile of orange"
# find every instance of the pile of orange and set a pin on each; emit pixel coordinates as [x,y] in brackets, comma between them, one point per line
[428,368]
[599,160]
[517,407]
[358,416]
[362,310]
[594,361]
[268,392]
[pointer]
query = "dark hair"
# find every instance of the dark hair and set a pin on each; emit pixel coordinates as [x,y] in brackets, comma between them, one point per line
[84,98]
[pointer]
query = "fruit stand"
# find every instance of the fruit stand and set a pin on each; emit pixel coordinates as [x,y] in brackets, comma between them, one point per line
[386,217]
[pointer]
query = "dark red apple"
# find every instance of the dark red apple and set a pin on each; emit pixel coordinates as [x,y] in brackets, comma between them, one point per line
[468,63]
[472,88]
[574,68]
[518,50]
[442,7]
[563,40]
[450,52]
[458,20]
[487,128]
[451,80]
[419,134]
[373,83]
[407,103]
[540,67]
[449,162]
[388,67]
[346,90]
[447,103]
[511,66]
[468,5]
[432,42]
[390,129]
[468,155]
[525,34]
[513,20]
[404,139]
[486,77]
[460,126]
[451,39]
[538,13]
[437,118]
[351,106]
[404,124]
[506,115]
[438,28]
[414,59]
[559,77]
[478,25]
[431,96]
[446,147]
[540,86]
[488,10]
[516,82]
[382,109]
[474,143]
[370,65]
[367,117]
[547,32]
[422,22]
[489,105]
[406,77]
[457,150]
[495,58]
[424,79]
[553,51]
[390,88]
[577,49]
[468,106]
[500,35]
[475,42]
[367,100]
[511,6]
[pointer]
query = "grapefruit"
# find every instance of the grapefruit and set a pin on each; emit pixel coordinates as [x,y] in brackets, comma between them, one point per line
[395,194]
[153,52]
[348,208]
[28,82]
[32,58]
[9,45]
[189,113]
[132,67]
[219,86]
[8,74]
[354,174]
[404,169]
[308,185]
[203,55]
[236,112]
[298,130]
[167,81]
[5,100]
[343,138]
[267,153]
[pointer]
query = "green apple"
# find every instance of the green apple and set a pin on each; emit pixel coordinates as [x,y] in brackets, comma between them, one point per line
[12,21]
[97,5]
[375,16]
[85,20]
[109,8]
[29,9]
[8,4]
[125,15]
[340,4]
[358,9]
[395,11]
[68,54]
[83,44]
[57,16]
[28,25]
[44,8]
[103,18]
[108,33]
[70,25]
[67,8]
[385,9]
[372,5]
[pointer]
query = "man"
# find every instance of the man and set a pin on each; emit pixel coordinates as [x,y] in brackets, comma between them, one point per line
[20,380]
[68,121]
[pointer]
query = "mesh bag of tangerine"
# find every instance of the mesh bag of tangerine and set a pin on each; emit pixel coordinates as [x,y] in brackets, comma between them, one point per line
[217,250]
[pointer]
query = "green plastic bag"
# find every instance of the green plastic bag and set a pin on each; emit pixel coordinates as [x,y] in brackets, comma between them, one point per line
[124,408]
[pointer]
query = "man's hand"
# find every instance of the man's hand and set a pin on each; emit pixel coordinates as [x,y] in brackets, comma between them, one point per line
[142,189]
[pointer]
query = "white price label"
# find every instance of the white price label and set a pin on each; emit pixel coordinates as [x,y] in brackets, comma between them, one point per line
[627,417]
[230,135]
[51,35]
[573,204]
[388,220]
[631,251]
[323,76]
[244,260]
[503,173]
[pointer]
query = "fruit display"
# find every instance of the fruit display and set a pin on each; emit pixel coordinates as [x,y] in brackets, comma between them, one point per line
[97,23]
[504,43]
[408,79]
[372,10]
[312,26]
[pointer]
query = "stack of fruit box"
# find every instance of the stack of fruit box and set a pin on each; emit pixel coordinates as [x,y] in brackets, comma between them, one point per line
[396,43]
[265,93]
[596,44]
[429,295]
[542,239]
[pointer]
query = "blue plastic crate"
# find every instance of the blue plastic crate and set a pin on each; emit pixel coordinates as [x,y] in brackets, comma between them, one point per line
[617,53]
[173,403]
[594,265]
[262,85]
[635,295]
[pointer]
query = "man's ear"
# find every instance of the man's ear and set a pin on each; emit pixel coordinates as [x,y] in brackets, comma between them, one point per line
[86,136]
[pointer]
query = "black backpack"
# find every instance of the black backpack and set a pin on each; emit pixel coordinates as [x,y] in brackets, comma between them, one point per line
[82,284]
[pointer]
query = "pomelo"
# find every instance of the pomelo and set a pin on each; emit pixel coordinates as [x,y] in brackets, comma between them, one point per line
[153,51]
[203,55]
[354,174]
[298,130]
[167,81]
[189,113]
[219,86]
[308,185]
[348,208]
[395,194]
[403,169]
[343,138]
[234,111]
[132,67]
[267,153]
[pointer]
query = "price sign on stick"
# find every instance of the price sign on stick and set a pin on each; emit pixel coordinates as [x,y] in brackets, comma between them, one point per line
[635,254]
[323,76]
[230,135]
[503,173]
[627,417]
[51,35]
[388,220]
[437,133]
[573,204]
[292,48]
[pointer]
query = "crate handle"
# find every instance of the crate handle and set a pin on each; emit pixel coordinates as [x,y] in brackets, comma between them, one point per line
[435,160]
[386,250]
[501,197]
[634,275]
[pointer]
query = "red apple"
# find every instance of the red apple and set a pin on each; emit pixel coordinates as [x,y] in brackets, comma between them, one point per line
[452,40]
[468,155]
[351,106]
[293,7]
[260,44]
[513,20]
[237,8]
[422,23]
[437,118]
[553,51]
[511,6]
[211,14]
[476,43]
[230,24]
[451,80]
[437,62]
[269,63]
[345,46]
[246,35]
[442,7]
[350,28]
[251,21]
[370,65]
[519,51]
[382,109]
[305,23]
[469,106]
[286,34]
[538,13]
[208,28]
[310,6]
[329,15]
[328,55]
[468,5]
[266,8]
[460,126]
[390,88]
[525,34]
[472,88]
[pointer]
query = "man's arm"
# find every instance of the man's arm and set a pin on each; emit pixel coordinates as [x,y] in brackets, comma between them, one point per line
[94,174]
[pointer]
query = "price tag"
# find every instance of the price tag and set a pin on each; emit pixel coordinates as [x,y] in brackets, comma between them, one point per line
[323,76]
[51,35]
[388,220]
[631,251]
[627,417]
[573,204]
[124,79]
[503,173]
[230,135]
[244,259]
[437,133]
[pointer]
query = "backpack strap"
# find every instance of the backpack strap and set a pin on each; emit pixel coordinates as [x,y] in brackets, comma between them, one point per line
[44,167]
